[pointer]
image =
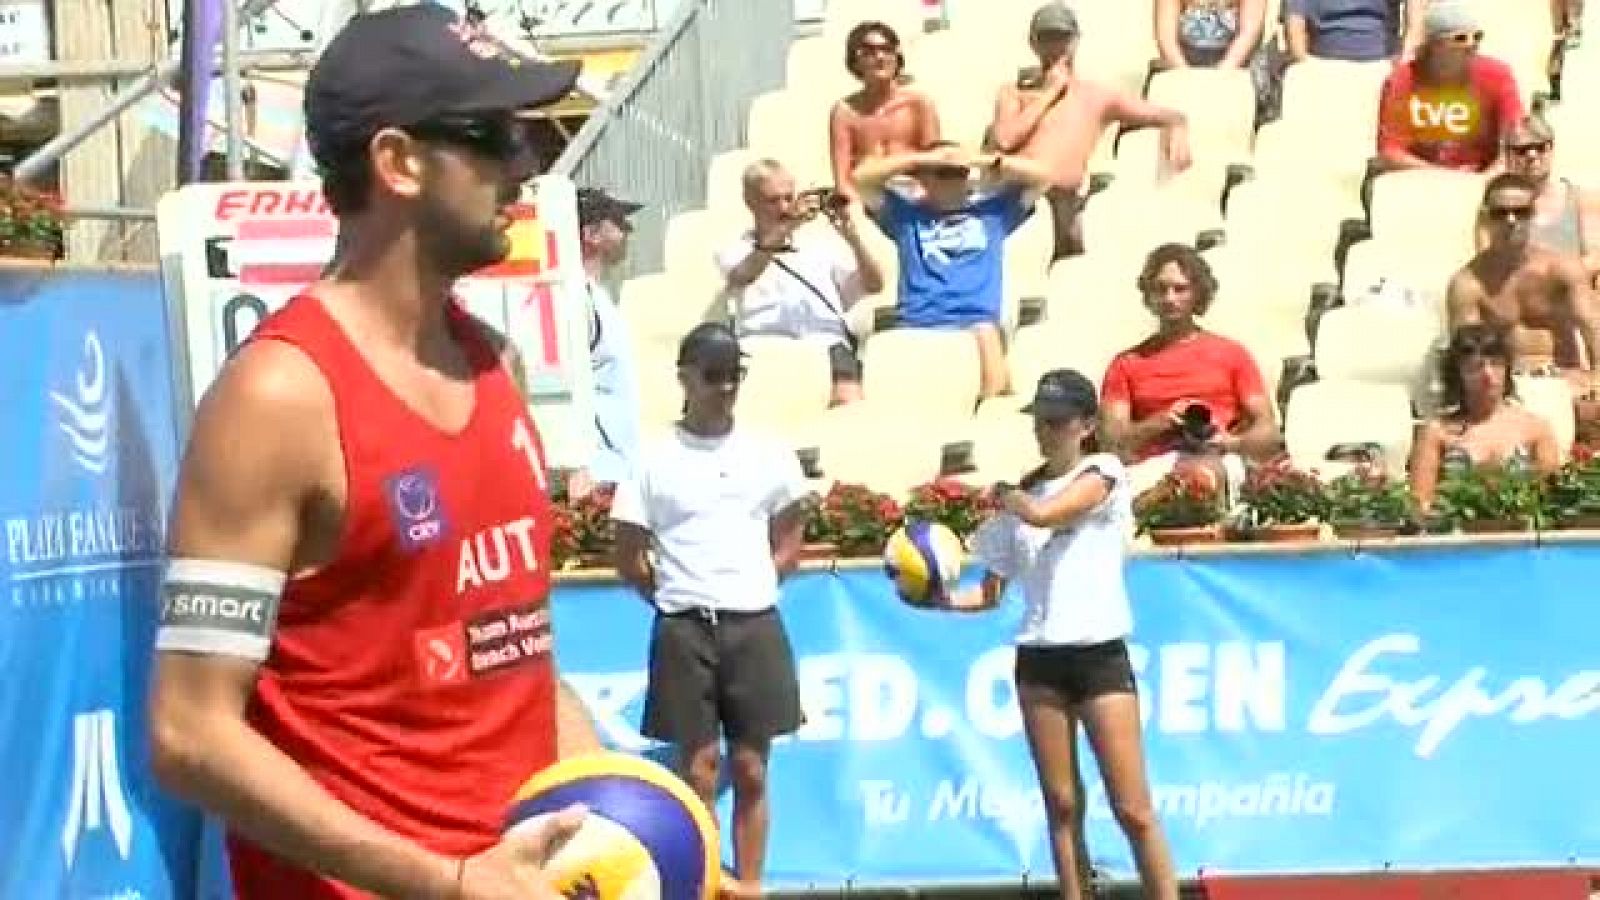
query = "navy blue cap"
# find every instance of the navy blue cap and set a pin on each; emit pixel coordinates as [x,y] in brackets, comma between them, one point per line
[408,64]
[710,345]
[596,205]
[1063,394]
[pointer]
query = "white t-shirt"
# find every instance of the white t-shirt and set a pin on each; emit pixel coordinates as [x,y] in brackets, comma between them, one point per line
[1072,578]
[776,303]
[707,503]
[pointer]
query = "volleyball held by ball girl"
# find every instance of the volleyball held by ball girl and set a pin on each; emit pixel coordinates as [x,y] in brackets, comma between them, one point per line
[1060,537]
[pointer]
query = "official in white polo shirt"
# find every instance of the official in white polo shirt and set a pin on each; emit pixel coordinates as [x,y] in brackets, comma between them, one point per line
[710,521]
[1061,537]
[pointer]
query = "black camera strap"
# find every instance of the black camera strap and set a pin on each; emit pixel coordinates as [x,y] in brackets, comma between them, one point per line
[817,292]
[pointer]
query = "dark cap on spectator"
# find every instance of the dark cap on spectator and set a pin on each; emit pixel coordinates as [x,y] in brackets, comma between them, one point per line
[1053,18]
[710,345]
[595,205]
[406,65]
[1063,394]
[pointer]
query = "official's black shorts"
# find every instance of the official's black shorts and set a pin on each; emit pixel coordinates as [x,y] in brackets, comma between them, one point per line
[1077,673]
[844,364]
[735,675]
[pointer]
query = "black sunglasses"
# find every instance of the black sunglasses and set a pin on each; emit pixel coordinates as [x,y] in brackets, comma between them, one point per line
[1519,213]
[503,138]
[722,374]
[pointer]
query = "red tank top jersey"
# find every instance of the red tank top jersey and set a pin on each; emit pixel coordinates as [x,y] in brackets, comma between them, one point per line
[412,677]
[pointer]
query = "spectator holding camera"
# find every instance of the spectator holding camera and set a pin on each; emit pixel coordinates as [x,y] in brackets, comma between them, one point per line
[887,116]
[787,280]
[950,238]
[1185,391]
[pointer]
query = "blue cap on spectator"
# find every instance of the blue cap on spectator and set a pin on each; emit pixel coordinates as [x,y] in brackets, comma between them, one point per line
[1063,394]
[710,345]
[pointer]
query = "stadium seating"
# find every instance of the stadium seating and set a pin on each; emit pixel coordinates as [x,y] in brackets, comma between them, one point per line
[1272,201]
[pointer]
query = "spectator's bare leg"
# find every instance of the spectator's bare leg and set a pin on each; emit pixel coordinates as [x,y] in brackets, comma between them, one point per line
[994,377]
[846,392]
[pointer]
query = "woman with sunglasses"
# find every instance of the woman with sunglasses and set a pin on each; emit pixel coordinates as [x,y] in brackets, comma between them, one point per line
[1062,537]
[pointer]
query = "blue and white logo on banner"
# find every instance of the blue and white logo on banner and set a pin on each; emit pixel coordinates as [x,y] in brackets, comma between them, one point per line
[1426,708]
[89,450]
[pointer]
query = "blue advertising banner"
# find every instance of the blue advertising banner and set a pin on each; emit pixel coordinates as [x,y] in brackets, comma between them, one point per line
[87,439]
[1426,708]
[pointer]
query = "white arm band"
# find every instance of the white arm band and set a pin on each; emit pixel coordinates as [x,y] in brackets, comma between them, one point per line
[219,608]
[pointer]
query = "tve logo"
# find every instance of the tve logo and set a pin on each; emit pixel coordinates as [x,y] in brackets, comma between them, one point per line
[97,797]
[1442,115]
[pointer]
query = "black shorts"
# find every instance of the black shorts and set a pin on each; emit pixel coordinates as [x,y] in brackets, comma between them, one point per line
[733,677]
[1065,208]
[1078,673]
[844,363]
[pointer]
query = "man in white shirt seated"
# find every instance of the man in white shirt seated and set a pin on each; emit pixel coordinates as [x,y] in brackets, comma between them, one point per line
[795,282]
[712,518]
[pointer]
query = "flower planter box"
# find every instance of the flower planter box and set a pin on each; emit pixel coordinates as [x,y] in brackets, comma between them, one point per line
[1288,533]
[1177,537]
[1494,526]
[1366,531]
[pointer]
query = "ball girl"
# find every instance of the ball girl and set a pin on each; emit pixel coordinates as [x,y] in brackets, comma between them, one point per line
[1062,536]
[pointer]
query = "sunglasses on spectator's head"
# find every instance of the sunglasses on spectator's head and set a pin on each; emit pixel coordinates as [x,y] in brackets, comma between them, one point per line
[1464,38]
[500,137]
[1519,212]
[1532,148]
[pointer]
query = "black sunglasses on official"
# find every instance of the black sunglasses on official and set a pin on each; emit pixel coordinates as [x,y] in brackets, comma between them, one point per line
[1518,213]
[1538,148]
[495,137]
[718,375]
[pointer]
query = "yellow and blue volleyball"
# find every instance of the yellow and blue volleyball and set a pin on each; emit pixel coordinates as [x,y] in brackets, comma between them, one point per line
[647,835]
[924,560]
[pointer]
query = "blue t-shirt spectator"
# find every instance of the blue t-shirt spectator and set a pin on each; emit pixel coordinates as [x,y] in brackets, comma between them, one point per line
[950,260]
[1352,30]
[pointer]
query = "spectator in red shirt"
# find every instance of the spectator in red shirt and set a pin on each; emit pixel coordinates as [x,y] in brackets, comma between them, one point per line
[1185,391]
[1449,107]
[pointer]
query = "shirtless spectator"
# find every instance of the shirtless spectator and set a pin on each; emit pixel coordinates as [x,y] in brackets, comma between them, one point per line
[1054,117]
[887,116]
[1539,297]
[1185,393]
[1450,107]
[789,280]
[1566,218]
[949,233]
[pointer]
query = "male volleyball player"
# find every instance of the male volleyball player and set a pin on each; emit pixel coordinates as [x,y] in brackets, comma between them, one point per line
[355,668]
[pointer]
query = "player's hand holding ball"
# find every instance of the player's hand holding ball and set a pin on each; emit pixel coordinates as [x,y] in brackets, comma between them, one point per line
[924,560]
[514,869]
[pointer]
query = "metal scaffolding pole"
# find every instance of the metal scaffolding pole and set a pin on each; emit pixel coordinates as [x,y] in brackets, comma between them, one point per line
[35,165]
[233,89]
